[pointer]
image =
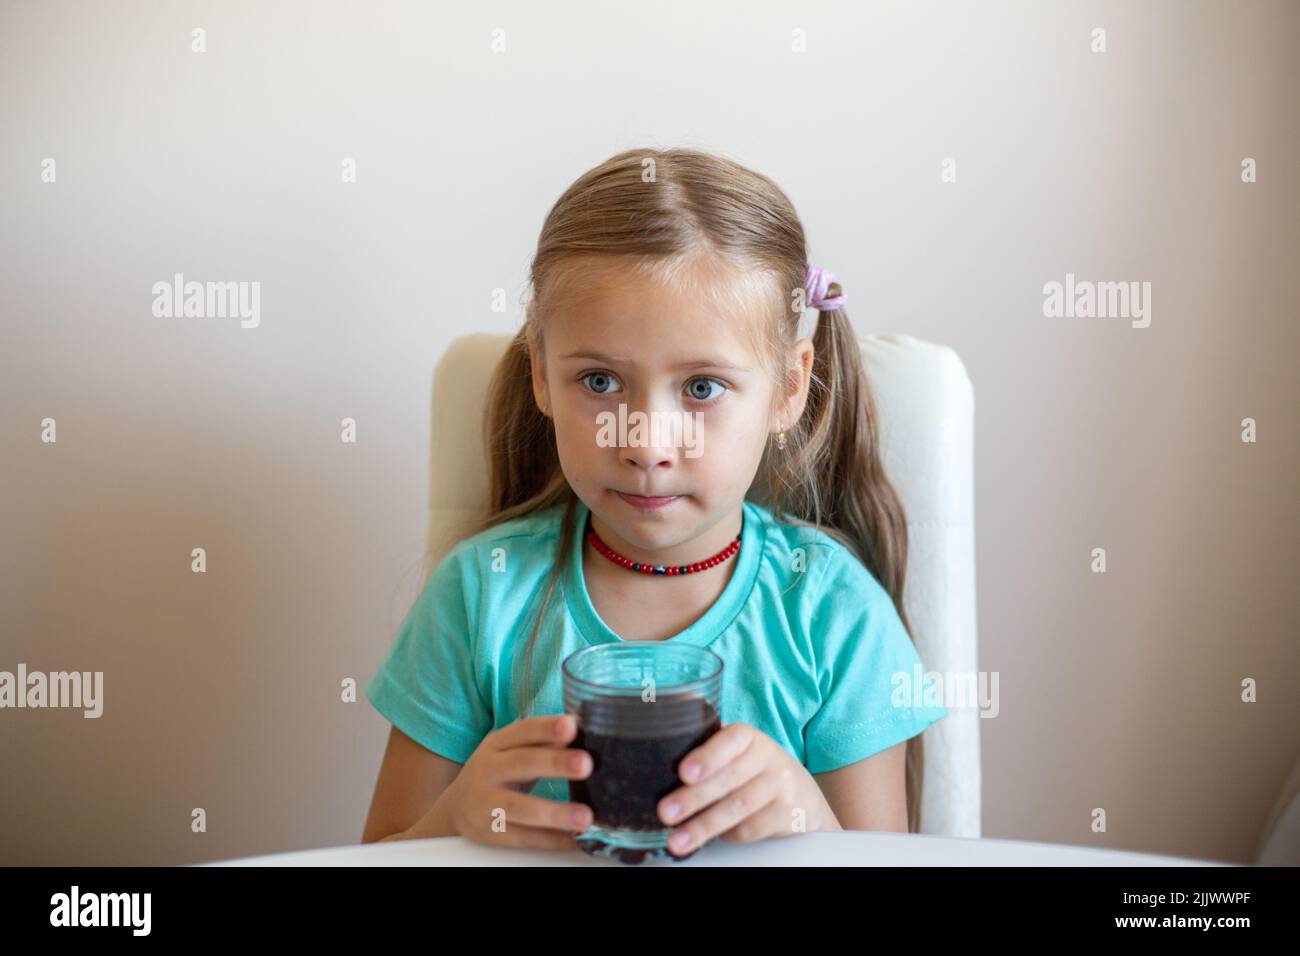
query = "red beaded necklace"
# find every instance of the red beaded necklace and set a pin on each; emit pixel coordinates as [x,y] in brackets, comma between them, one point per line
[631,565]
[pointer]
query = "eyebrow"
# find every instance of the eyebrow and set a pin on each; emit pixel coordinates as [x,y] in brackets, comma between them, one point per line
[706,362]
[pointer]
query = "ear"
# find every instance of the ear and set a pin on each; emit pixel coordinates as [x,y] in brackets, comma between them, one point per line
[541,392]
[798,377]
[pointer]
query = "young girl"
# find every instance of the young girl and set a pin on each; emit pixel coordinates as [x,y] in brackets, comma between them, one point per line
[668,281]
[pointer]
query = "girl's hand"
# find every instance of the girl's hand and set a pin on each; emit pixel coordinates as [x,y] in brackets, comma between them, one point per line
[489,802]
[747,788]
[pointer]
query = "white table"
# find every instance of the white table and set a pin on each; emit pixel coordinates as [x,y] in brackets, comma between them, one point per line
[831,848]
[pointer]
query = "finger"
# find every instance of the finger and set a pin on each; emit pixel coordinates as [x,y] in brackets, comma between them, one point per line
[720,749]
[738,806]
[775,819]
[536,732]
[532,838]
[506,809]
[533,811]
[532,763]
[692,798]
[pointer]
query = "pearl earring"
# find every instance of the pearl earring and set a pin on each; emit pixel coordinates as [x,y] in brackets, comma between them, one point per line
[780,440]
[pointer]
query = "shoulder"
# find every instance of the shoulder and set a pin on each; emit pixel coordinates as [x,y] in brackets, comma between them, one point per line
[811,559]
[831,602]
[494,570]
[491,573]
[532,536]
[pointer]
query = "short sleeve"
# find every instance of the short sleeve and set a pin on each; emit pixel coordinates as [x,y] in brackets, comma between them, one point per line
[874,692]
[427,687]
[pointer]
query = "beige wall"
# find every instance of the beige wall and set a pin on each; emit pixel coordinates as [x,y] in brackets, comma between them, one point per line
[221,689]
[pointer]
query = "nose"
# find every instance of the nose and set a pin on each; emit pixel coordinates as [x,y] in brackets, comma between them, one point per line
[647,450]
[648,458]
[652,436]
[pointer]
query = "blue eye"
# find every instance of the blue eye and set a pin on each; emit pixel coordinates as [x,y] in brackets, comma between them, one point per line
[598,376]
[695,394]
[700,389]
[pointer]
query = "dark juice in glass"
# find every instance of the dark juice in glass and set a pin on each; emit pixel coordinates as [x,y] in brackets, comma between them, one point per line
[641,707]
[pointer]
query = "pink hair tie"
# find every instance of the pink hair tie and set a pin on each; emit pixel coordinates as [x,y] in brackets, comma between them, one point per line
[815,283]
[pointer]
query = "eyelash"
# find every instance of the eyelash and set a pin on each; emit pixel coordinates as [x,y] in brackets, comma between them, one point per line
[698,378]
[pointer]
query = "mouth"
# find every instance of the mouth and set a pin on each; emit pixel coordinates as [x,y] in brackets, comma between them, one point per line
[646,502]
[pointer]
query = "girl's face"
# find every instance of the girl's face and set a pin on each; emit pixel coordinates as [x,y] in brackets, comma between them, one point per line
[636,349]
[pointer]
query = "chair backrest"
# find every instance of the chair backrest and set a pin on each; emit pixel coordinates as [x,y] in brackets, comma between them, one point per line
[1279,841]
[926,405]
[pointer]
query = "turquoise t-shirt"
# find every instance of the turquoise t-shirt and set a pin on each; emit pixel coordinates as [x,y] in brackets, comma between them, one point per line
[814,654]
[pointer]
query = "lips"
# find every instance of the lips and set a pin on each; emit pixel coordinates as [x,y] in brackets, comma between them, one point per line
[646,501]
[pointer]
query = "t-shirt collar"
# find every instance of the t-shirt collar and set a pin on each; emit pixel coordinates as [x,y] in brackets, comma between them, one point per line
[715,620]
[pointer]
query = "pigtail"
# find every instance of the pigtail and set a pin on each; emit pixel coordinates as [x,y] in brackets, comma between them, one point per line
[524,478]
[832,473]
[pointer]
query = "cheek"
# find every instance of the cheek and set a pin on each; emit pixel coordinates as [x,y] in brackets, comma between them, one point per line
[574,440]
[731,439]
[573,422]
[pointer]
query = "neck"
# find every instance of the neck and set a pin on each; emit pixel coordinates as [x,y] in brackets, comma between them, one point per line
[703,545]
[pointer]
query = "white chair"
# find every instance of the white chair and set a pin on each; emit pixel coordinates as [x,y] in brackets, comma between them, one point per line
[926,405]
[1279,841]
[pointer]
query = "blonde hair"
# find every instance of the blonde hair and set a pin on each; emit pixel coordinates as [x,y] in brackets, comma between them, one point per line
[694,207]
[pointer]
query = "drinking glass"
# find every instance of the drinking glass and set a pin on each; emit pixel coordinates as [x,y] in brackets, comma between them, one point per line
[640,706]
